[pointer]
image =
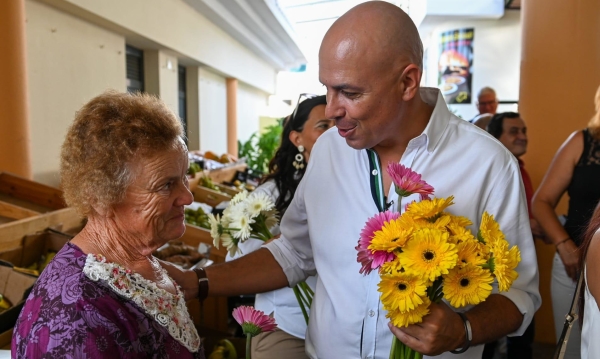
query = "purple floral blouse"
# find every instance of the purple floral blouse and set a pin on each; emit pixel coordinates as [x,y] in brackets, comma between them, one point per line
[68,315]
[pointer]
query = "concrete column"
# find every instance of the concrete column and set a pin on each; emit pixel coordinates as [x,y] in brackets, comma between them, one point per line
[232,137]
[15,146]
[192,83]
[160,77]
[559,77]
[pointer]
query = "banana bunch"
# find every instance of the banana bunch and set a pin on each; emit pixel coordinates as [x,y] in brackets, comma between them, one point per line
[224,349]
[5,304]
[49,256]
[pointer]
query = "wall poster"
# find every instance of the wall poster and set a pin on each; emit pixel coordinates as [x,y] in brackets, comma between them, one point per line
[456,65]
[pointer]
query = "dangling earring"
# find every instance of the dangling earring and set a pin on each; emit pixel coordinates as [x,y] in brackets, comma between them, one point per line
[299,160]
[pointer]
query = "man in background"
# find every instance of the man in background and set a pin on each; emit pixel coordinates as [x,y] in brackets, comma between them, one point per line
[510,129]
[487,103]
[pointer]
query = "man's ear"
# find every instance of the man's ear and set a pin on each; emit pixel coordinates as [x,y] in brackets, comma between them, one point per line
[295,138]
[411,80]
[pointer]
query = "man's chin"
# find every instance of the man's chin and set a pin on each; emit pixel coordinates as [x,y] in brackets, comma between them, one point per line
[356,144]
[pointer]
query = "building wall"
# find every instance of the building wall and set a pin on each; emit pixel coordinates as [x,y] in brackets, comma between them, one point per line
[251,104]
[69,61]
[213,112]
[76,50]
[496,58]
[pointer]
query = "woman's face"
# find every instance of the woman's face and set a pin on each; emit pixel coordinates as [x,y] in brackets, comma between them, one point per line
[152,212]
[314,127]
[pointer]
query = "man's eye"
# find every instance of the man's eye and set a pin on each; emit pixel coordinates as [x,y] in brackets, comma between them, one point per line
[350,94]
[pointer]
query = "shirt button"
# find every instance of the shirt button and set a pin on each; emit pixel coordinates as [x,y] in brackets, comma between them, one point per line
[375,172]
[371,313]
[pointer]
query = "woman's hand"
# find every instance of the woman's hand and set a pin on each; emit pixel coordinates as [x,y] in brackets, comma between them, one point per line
[570,257]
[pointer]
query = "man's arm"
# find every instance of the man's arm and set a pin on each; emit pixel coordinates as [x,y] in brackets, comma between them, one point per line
[256,272]
[442,329]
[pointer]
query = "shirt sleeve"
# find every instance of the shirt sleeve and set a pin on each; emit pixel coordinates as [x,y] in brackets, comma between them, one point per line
[506,201]
[293,250]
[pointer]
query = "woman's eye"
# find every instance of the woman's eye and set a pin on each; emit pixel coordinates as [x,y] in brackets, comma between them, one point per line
[168,185]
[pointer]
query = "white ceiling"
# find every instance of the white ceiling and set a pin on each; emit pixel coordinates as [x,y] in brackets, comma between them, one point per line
[312,18]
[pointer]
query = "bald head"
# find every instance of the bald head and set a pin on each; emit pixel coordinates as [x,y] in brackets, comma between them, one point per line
[377,31]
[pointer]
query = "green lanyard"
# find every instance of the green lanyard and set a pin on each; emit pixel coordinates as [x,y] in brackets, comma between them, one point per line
[376,180]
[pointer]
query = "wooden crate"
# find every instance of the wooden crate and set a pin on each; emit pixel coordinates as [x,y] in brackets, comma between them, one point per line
[226,174]
[13,233]
[22,198]
[209,196]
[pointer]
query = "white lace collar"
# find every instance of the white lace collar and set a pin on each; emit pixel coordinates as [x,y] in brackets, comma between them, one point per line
[167,309]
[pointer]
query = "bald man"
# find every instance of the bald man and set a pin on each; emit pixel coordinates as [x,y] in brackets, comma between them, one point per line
[371,64]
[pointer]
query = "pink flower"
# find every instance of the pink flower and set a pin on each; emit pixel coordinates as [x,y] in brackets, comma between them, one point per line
[373,259]
[408,181]
[253,321]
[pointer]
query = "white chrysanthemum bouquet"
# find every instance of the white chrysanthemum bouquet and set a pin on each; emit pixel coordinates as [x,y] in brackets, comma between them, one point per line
[251,216]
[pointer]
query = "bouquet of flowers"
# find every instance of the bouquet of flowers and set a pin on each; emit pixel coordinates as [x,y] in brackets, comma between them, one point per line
[426,254]
[252,216]
[253,323]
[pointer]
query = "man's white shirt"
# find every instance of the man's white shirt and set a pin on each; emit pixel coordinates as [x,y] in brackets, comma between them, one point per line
[333,201]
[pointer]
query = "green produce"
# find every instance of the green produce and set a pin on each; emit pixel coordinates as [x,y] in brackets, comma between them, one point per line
[197,217]
[194,168]
[205,181]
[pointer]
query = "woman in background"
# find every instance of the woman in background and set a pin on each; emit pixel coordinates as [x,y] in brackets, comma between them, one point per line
[575,169]
[300,131]
[589,312]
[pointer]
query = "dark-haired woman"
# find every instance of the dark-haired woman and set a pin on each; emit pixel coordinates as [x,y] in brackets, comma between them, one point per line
[590,291]
[575,169]
[300,131]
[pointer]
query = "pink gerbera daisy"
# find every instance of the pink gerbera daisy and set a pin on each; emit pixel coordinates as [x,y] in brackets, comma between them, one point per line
[373,259]
[253,321]
[408,182]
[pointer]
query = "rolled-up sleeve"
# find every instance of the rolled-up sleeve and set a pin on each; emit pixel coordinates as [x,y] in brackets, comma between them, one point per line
[506,201]
[293,250]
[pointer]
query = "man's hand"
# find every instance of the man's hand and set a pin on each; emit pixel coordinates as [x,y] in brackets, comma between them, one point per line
[442,330]
[186,279]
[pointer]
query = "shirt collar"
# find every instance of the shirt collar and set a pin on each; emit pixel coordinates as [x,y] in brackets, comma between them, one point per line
[440,117]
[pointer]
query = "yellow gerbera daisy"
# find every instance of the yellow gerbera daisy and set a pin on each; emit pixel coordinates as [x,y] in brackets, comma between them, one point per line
[401,291]
[470,253]
[459,234]
[391,267]
[467,285]
[489,230]
[429,209]
[404,319]
[503,264]
[392,235]
[460,221]
[429,253]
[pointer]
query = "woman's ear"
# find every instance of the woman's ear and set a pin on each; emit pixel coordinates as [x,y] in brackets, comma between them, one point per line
[101,209]
[295,138]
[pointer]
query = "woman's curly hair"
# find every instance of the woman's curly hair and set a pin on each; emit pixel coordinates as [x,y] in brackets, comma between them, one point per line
[109,133]
[281,169]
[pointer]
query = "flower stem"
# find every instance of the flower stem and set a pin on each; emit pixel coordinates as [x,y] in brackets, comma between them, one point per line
[301,302]
[248,341]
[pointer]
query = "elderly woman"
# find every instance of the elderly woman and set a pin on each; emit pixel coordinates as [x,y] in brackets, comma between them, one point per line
[123,167]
